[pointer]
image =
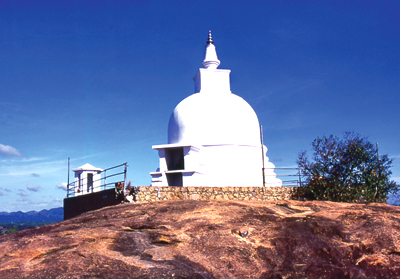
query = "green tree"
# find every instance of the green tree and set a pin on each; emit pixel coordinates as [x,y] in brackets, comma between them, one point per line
[347,169]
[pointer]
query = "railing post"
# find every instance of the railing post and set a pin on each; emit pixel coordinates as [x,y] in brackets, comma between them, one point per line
[300,176]
[105,178]
[262,153]
[126,166]
[81,186]
[68,180]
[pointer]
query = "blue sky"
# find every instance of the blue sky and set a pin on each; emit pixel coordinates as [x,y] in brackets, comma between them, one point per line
[96,81]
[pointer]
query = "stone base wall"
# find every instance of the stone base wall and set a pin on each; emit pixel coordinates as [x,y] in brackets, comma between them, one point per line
[152,193]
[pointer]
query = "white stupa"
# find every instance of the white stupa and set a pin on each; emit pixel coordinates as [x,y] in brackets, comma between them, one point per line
[213,136]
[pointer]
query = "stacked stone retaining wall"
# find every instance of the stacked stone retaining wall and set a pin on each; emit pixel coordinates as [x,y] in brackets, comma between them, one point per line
[151,193]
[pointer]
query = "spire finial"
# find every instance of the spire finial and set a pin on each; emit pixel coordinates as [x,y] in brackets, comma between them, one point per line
[210,40]
[211,60]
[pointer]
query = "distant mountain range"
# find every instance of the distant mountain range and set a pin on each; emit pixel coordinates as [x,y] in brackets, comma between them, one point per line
[45,216]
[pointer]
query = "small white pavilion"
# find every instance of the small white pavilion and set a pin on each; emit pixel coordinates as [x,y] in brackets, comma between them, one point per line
[87,179]
[213,136]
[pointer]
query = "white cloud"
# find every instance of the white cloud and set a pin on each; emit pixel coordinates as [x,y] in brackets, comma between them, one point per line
[36,204]
[22,193]
[24,200]
[10,151]
[32,187]
[62,186]
[31,167]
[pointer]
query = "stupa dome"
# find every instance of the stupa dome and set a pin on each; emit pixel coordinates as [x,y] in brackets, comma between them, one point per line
[213,136]
[210,119]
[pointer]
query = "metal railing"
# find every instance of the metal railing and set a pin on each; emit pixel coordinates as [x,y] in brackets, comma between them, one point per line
[290,177]
[104,179]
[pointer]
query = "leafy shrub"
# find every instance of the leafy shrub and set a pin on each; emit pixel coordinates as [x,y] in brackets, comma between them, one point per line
[346,170]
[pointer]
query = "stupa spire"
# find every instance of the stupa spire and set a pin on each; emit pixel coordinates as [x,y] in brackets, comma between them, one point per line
[210,40]
[211,60]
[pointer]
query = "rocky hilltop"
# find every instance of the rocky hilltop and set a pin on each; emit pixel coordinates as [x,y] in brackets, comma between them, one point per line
[212,239]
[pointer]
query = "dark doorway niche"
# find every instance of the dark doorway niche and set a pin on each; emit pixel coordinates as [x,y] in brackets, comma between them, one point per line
[90,182]
[80,187]
[174,179]
[174,158]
